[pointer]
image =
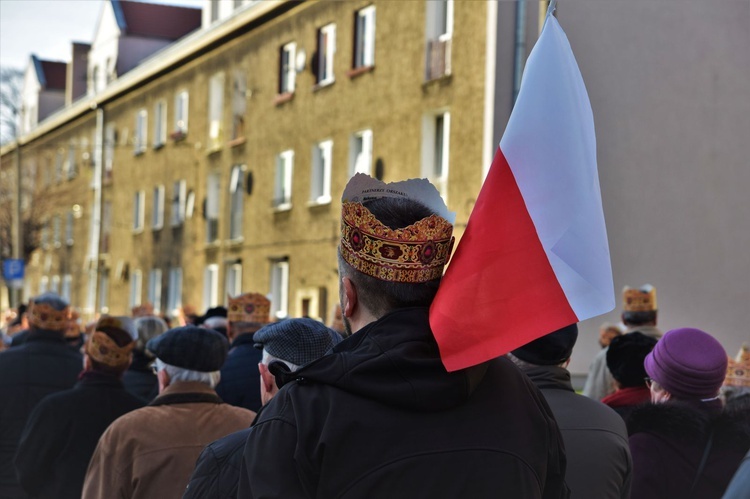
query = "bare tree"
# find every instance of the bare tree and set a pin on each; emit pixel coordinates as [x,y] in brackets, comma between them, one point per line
[11,85]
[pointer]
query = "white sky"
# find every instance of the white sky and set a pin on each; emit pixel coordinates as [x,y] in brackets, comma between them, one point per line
[47,27]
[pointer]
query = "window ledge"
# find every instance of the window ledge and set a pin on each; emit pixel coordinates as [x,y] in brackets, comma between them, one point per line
[283,207]
[237,241]
[213,150]
[157,228]
[322,85]
[283,98]
[321,201]
[211,245]
[139,152]
[444,78]
[354,72]
[158,146]
[178,135]
[236,142]
[138,231]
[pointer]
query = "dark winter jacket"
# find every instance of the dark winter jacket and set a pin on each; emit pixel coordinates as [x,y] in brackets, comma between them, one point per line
[62,432]
[240,378]
[667,442]
[596,440]
[739,487]
[139,379]
[625,400]
[44,364]
[380,417]
[217,471]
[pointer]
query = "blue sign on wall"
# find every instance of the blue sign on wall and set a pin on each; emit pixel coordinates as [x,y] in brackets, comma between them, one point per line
[13,269]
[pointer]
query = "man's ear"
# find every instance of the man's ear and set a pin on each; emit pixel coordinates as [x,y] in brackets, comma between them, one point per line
[164,379]
[268,380]
[349,306]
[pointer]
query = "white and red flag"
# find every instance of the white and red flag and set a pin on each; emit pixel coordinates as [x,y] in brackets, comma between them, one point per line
[534,256]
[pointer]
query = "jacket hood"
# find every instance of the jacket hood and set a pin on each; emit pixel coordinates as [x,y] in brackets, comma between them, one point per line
[395,361]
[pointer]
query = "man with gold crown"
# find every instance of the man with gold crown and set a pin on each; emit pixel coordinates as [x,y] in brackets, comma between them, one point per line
[44,364]
[639,313]
[64,428]
[380,416]
[240,378]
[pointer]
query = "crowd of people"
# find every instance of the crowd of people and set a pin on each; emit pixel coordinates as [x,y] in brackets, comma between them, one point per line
[233,404]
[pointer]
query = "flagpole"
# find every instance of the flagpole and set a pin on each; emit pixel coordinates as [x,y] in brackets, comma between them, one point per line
[551,7]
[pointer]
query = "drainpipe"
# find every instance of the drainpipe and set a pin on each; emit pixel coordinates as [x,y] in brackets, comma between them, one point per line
[17,219]
[96,214]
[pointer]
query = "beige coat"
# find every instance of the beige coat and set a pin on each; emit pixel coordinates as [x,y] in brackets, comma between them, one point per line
[151,452]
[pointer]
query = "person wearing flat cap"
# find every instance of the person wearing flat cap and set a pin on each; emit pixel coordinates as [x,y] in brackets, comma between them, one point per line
[380,416]
[285,346]
[63,430]
[684,444]
[625,357]
[42,365]
[151,451]
[596,441]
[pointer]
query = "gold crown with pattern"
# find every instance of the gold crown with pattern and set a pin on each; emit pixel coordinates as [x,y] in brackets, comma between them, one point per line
[44,316]
[413,254]
[103,349]
[639,300]
[738,369]
[249,307]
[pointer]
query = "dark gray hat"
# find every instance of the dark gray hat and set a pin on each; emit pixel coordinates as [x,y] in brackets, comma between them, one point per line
[299,341]
[191,347]
[552,349]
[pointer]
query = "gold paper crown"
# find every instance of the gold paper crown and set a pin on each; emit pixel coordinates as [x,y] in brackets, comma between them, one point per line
[738,370]
[44,316]
[103,349]
[144,310]
[249,307]
[639,300]
[414,254]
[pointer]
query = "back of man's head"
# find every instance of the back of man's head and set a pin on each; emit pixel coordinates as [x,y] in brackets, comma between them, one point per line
[625,357]
[48,313]
[109,347]
[148,327]
[553,349]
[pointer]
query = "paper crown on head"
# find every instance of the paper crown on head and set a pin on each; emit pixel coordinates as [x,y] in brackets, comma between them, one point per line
[104,349]
[249,307]
[738,369]
[412,254]
[143,310]
[45,316]
[639,300]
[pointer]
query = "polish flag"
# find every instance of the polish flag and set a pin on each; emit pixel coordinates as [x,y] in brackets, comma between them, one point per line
[534,256]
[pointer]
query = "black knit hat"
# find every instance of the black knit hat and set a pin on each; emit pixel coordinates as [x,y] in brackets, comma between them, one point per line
[191,347]
[299,341]
[625,357]
[552,349]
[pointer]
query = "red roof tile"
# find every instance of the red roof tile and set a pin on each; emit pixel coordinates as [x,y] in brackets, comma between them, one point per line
[54,74]
[160,21]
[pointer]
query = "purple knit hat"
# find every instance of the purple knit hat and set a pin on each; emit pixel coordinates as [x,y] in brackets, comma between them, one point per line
[688,363]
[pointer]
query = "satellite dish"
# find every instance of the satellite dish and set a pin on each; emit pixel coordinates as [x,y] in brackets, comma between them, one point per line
[299,60]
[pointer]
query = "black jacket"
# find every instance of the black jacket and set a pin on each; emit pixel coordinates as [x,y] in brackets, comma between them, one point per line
[139,379]
[62,432]
[44,364]
[381,418]
[668,440]
[240,378]
[217,471]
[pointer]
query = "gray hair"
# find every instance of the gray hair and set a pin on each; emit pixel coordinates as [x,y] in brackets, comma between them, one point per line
[268,358]
[148,327]
[181,374]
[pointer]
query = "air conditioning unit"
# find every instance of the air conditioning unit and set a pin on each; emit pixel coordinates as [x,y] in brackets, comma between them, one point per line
[438,58]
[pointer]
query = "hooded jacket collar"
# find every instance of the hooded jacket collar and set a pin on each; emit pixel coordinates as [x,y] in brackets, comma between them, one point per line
[394,360]
[554,377]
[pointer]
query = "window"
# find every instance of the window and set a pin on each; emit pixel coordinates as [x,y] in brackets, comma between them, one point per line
[237,4]
[59,166]
[181,113]
[179,195]
[44,235]
[286,68]
[233,281]
[56,222]
[435,150]
[157,216]
[72,167]
[360,157]
[139,207]
[141,127]
[320,185]
[439,33]
[212,207]
[136,287]
[174,291]
[109,150]
[69,228]
[326,50]
[239,105]
[43,284]
[215,108]
[280,288]
[160,124]
[211,286]
[282,195]
[104,291]
[214,10]
[55,286]
[91,291]
[107,225]
[67,284]
[236,194]
[364,38]
[154,289]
